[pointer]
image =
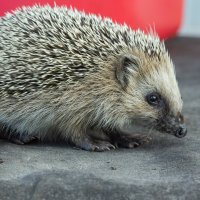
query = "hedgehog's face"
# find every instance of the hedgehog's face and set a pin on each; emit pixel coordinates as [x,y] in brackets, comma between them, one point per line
[151,93]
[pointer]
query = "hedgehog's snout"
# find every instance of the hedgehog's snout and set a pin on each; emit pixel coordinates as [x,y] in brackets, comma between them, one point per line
[173,125]
[181,131]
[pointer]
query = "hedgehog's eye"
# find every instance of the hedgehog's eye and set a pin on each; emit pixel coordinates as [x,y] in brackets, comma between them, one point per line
[153,99]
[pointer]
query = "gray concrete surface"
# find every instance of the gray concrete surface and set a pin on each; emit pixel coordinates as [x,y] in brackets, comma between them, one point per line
[168,168]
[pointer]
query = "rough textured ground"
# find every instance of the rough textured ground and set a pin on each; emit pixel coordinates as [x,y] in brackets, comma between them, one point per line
[168,168]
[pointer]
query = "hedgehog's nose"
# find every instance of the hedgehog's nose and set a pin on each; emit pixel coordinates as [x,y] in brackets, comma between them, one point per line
[181,131]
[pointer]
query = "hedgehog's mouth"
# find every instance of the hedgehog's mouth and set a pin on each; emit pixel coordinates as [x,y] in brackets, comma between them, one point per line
[172,125]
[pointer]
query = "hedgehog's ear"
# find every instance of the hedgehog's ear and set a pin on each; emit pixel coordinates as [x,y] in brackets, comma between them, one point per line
[126,62]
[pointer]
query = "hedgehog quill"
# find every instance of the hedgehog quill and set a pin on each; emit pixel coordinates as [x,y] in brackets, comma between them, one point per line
[80,78]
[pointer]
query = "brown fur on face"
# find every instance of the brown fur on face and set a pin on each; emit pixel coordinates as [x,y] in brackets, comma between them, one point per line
[153,74]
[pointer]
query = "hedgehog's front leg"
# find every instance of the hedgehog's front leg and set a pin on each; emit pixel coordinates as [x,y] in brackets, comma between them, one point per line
[93,142]
[130,140]
[90,144]
[126,140]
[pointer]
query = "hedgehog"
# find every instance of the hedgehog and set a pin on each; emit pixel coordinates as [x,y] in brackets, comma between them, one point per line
[80,78]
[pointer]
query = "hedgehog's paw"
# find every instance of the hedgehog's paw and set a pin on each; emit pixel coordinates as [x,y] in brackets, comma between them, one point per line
[89,144]
[22,139]
[131,141]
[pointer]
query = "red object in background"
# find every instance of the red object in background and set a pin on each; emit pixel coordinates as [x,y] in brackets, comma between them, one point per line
[163,15]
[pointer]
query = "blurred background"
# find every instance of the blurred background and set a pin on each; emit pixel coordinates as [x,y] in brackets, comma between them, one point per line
[191,19]
[167,17]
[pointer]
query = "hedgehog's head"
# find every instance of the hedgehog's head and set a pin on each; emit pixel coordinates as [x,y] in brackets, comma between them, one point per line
[151,91]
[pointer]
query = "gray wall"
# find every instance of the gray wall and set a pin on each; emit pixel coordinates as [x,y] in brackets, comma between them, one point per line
[191,19]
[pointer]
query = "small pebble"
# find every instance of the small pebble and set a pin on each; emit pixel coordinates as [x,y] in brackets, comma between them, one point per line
[113,168]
